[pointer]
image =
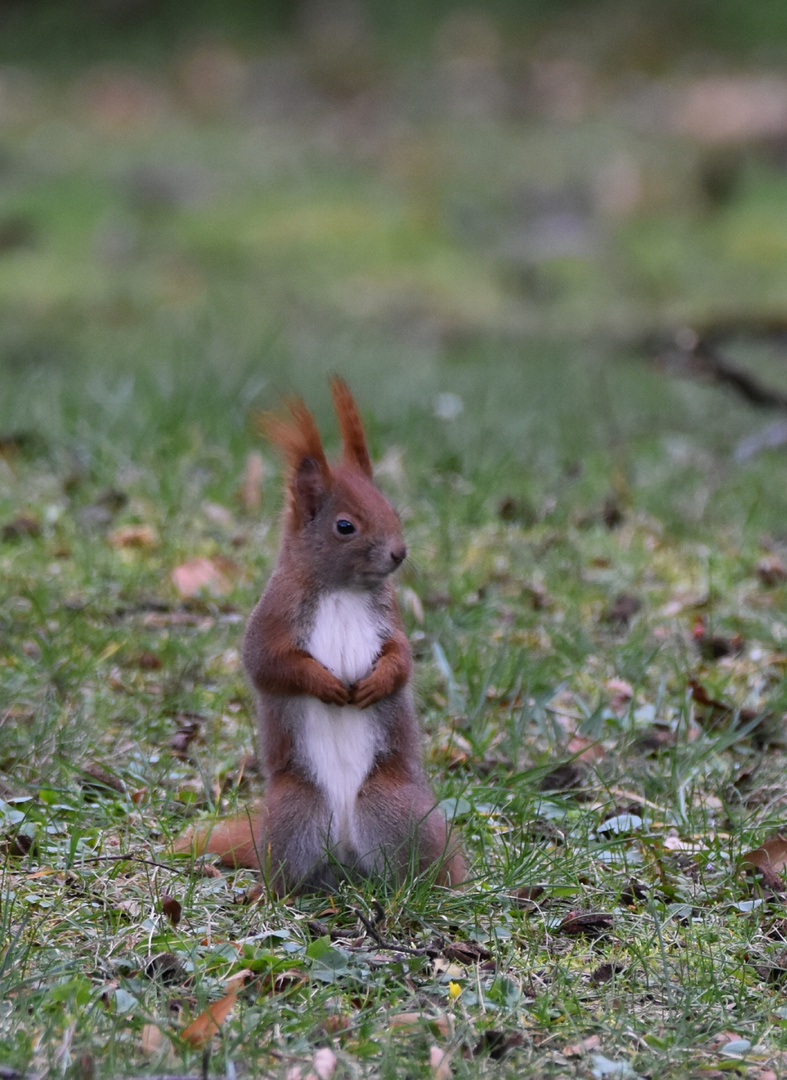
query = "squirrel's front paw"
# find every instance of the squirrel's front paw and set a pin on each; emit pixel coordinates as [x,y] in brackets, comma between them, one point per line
[334,692]
[367,691]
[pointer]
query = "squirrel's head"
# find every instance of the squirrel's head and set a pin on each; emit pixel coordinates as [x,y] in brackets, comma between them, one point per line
[336,520]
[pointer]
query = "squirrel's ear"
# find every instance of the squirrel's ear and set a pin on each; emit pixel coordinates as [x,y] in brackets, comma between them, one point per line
[308,489]
[354,448]
[309,476]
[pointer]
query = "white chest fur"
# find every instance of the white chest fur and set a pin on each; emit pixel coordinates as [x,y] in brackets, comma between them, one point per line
[340,742]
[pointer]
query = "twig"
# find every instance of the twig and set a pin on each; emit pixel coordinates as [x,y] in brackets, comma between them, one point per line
[697,355]
[374,933]
[130,858]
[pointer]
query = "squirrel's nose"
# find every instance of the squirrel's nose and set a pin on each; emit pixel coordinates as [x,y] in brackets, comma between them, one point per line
[398,555]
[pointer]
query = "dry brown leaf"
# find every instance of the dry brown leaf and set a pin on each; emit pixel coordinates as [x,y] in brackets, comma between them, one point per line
[589,923]
[323,1065]
[496,1044]
[440,1063]
[466,952]
[148,661]
[622,692]
[605,972]
[101,778]
[171,908]
[151,1039]
[208,1023]
[585,749]
[214,575]
[771,856]
[188,729]
[166,968]
[282,981]
[579,1049]
[702,697]
[441,1022]
[237,981]
[133,536]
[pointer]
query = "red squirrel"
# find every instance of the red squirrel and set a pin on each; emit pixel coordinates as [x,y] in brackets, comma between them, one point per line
[326,652]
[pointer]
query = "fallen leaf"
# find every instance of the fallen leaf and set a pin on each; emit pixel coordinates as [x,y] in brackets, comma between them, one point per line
[617,1070]
[166,968]
[526,895]
[702,697]
[589,923]
[97,778]
[440,1063]
[189,725]
[634,893]
[579,1049]
[571,774]
[622,692]
[441,1022]
[772,854]
[585,749]
[208,1023]
[466,952]
[151,1039]
[605,972]
[323,1065]
[446,967]
[237,981]
[496,1044]
[282,981]
[171,908]
[133,536]
[736,1047]
[215,576]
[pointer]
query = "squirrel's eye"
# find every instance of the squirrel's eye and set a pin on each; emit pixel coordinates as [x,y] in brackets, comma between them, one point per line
[344,527]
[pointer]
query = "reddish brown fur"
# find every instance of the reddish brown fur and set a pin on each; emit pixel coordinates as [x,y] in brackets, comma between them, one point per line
[353,438]
[396,822]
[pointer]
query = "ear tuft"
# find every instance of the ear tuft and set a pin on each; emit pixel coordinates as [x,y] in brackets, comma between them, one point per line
[354,448]
[299,441]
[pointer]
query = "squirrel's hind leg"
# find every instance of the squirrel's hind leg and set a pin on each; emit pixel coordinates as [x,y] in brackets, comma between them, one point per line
[400,828]
[294,839]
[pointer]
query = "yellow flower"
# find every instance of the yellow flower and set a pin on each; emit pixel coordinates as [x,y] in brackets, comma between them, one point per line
[454,990]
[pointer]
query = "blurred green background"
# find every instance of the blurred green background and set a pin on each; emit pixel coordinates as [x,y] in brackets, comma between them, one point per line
[482,215]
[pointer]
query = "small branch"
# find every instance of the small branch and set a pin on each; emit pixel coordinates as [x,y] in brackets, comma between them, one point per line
[696,355]
[381,942]
[129,858]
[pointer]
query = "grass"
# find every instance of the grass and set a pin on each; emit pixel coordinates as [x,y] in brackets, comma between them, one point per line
[584,547]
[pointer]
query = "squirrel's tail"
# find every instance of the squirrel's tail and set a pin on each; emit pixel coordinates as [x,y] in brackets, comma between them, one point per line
[233,840]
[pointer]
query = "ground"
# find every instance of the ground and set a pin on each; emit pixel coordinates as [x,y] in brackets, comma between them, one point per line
[496,247]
